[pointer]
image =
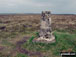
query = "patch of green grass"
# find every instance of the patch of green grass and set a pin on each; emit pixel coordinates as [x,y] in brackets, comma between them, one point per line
[37,34]
[21,55]
[31,39]
[64,42]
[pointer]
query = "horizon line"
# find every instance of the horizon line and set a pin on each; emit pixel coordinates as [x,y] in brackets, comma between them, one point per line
[40,13]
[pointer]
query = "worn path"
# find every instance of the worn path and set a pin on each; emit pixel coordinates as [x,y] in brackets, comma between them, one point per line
[22,50]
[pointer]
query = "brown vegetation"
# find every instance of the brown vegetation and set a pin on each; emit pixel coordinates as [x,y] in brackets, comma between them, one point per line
[18,22]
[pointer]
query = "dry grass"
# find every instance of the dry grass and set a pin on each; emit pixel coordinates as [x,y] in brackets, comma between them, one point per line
[14,27]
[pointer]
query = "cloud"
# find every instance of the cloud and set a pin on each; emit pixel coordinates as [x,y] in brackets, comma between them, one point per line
[36,6]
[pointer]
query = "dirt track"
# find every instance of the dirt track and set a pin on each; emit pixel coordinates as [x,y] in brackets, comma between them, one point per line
[24,51]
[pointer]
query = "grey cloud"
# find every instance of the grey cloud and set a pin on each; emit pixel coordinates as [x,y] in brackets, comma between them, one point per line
[36,6]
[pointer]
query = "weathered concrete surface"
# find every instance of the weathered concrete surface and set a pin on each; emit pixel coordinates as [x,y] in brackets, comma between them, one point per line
[45,28]
[45,40]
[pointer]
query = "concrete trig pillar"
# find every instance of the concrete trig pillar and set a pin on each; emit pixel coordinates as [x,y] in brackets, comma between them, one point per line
[45,34]
[45,27]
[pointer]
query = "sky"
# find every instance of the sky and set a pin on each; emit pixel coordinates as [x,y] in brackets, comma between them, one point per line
[37,6]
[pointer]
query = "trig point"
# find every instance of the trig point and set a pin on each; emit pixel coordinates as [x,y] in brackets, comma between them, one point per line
[45,34]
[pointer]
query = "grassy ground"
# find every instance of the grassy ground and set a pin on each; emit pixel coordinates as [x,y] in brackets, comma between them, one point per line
[65,42]
[14,28]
